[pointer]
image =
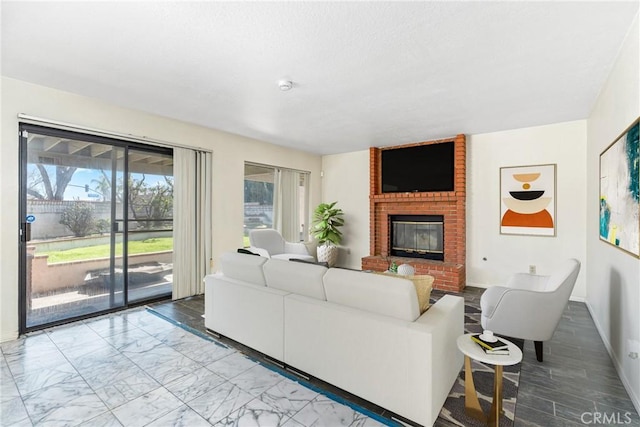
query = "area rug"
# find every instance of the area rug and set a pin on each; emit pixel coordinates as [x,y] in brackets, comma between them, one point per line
[453,412]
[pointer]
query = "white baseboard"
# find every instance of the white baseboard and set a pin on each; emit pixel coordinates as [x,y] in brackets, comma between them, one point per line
[616,363]
[8,336]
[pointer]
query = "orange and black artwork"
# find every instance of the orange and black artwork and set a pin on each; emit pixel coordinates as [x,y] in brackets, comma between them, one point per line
[527,196]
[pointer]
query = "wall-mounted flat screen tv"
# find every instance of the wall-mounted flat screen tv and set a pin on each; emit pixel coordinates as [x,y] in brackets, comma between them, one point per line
[420,168]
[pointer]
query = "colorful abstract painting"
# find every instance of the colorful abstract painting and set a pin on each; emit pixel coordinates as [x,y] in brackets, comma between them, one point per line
[528,200]
[620,192]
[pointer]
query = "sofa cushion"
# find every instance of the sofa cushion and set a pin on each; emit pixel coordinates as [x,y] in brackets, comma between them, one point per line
[295,277]
[247,268]
[423,284]
[386,295]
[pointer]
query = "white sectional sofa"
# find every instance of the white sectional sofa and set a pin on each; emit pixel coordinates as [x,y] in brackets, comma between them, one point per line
[361,332]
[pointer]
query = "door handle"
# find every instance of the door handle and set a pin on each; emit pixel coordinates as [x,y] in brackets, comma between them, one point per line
[25,232]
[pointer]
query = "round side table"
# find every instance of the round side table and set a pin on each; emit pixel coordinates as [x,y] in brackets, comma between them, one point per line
[471,350]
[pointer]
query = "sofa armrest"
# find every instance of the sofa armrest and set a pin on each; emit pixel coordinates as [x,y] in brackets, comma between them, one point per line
[248,313]
[260,251]
[434,357]
[312,247]
[521,313]
[490,299]
[295,248]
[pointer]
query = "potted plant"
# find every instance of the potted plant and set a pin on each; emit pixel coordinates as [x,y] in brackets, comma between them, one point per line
[327,219]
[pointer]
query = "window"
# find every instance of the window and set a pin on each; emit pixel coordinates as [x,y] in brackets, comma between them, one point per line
[276,198]
[258,198]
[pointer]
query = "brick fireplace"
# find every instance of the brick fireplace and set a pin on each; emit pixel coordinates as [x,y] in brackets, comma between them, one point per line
[449,274]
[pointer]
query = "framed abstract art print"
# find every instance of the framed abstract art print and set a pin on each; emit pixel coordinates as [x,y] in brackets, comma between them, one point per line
[528,200]
[620,192]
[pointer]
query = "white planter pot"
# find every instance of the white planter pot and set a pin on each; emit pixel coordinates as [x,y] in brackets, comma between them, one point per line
[328,254]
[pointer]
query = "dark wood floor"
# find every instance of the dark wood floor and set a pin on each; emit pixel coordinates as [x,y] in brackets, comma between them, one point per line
[576,382]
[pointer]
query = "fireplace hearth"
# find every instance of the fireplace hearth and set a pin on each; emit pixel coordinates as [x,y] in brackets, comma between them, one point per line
[417,236]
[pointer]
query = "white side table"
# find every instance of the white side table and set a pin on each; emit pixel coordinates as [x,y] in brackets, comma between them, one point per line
[472,350]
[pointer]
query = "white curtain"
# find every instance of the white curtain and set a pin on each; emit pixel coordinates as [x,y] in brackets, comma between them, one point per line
[304,197]
[287,205]
[277,201]
[191,221]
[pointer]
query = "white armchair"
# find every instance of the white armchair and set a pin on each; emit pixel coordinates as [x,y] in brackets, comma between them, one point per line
[270,243]
[529,307]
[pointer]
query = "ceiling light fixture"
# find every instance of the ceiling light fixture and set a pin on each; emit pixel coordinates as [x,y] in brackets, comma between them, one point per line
[285,85]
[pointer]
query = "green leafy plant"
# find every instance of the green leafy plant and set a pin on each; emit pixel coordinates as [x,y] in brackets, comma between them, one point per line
[327,219]
[103,226]
[78,218]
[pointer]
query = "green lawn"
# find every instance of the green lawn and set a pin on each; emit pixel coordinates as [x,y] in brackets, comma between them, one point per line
[102,251]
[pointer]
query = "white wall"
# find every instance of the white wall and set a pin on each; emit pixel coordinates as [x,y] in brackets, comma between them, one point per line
[346,180]
[229,154]
[613,287]
[563,144]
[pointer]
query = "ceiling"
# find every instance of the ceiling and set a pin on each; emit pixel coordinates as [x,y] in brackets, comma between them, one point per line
[364,73]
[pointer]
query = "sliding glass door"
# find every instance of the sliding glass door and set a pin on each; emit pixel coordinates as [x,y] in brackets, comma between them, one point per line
[96,225]
[149,225]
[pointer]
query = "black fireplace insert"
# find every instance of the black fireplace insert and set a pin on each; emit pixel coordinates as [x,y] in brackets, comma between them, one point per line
[417,236]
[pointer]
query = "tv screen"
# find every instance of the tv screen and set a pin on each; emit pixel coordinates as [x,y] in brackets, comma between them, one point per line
[420,168]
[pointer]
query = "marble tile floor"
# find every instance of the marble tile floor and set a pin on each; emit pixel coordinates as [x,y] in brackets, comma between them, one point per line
[575,382]
[100,372]
[133,368]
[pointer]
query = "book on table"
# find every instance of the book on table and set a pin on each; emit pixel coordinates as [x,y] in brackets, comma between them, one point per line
[504,351]
[498,344]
